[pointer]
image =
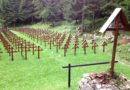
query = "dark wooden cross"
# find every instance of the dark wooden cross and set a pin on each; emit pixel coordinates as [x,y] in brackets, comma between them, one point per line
[12,53]
[45,41]
[1,51]
[60,42]
[75,46]
[104,44]
[92,43]
[94,47]
[65,49]
[33,48]
[50,43]
[84,45]
[25,50]
[24,46]
[57,46]
[38,52]
[38,49]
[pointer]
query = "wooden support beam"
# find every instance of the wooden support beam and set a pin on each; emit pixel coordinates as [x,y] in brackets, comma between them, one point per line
[114,47]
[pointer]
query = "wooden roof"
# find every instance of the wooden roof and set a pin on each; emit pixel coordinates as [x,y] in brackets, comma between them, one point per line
[123,21]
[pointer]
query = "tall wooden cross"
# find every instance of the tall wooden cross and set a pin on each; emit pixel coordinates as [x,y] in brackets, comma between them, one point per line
[119,22]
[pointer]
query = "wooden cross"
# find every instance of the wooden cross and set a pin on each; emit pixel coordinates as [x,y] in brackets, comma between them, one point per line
[38,52]
[57,46]
[59,41]
[12,53]
[21,46]
[38,49]
[104,44]
[25,50]
[33,48]
[8,47]
[18,45]
[75,46]
[65,49]
[50,42]
[1,51]
[85,44]
[45,42]
[94,47]
[92,43]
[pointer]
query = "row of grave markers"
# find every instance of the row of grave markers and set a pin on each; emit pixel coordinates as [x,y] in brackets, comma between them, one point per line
[58,39]
[11,40]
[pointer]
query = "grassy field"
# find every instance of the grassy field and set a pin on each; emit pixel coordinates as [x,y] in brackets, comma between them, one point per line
[47,73]
[62,27]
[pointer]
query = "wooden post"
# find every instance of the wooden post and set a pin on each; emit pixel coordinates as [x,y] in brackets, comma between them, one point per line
[69,75]
[75,48]
[84,50]
[50,43]
[38,52]
[21,45]
[18,46]
[114,47]
[57,46]
[75,51]
[25,50]
[9,47]
[33,48]
[92,43]
[103,45]
[94,47]
[59,42]
[45,42]
[12,54]
[65,49]
[85,44]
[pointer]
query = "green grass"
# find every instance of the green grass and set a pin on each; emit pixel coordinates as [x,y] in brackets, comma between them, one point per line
[47,73]
[39,26]
[124,54]
[61,27]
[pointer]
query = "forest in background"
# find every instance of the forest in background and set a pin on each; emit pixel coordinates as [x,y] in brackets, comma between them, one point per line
[89,14]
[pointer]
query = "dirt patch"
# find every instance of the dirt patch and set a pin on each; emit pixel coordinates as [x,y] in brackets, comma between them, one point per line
[124,41]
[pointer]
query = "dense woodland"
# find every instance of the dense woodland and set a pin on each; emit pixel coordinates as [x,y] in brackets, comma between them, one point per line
[87,13]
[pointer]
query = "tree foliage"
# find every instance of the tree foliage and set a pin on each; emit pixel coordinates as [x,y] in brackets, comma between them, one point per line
[85,12]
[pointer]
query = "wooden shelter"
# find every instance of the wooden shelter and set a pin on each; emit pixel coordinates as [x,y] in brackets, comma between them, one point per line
[116,22]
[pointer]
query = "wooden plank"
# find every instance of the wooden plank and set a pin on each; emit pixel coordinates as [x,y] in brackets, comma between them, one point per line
[110,20]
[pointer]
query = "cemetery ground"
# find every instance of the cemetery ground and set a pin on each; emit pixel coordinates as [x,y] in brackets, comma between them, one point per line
[47,73]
